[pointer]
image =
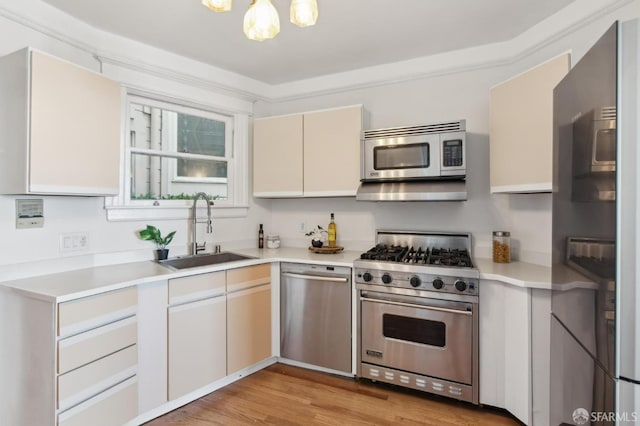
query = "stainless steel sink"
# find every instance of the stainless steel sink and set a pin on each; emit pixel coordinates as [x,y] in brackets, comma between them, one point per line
[202,260]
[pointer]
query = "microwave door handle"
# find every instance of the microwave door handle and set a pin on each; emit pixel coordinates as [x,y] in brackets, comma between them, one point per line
[411,305]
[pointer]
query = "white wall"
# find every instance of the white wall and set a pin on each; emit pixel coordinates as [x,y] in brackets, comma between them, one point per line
[431,100]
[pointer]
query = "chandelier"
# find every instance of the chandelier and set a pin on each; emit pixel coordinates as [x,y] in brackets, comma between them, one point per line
[261,22]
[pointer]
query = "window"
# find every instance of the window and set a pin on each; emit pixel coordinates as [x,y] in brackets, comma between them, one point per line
[172,152]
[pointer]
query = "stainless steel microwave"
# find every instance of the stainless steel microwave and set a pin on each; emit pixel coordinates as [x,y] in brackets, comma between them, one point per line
[594,142]
[433,151]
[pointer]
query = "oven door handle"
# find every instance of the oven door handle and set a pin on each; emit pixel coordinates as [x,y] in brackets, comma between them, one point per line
[411,305]
[316,277]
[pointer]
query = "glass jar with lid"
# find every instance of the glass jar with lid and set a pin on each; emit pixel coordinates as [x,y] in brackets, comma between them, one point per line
[273,241]
[501,246]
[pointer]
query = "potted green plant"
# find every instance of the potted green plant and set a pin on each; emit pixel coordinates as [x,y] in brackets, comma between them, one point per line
[151,233]
[317,236]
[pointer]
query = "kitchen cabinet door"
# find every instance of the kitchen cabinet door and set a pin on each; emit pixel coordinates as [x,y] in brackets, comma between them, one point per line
[505,348]
[248,316]
[61,134]
[249,327]
[197,345]
[332,152]
[521,129]
[315,154]
[277,157]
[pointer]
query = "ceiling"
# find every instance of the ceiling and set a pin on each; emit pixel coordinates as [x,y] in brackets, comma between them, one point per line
[349,34]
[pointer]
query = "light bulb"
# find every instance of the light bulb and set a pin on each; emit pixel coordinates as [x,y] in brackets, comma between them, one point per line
[218,5]
[261,22]
[304,13]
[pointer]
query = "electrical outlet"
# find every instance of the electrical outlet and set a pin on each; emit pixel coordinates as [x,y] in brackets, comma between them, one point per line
[302,228]
[74,241]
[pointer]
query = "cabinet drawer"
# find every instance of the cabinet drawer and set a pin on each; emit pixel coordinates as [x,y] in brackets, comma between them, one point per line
[115,406]
[90,312]
[241,278]
[91,379]
[195,287]
[86,347]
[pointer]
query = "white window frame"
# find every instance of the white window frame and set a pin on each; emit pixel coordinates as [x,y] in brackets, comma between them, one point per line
[170,131]
[123,208]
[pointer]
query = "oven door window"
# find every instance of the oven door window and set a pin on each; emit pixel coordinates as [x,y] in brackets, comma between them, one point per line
[392,157]
[415,330]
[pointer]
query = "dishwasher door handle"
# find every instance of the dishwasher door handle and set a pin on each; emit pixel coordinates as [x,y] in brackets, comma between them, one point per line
[316,278]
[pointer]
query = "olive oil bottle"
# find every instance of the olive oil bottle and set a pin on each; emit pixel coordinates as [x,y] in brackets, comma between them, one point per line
[261,237]
[333,232]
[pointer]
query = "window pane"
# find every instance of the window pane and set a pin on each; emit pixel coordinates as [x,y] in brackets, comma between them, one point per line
[202,169]
[197,135]
[156,178]
[145,122]
[165,130]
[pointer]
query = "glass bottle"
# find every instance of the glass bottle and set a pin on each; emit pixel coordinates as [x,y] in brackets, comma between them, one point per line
[332,232]
[260,237]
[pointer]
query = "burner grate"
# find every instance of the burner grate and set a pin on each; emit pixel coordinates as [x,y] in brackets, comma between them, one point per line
[421,255]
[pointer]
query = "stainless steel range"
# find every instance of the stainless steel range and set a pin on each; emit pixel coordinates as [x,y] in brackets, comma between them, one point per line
[418,313]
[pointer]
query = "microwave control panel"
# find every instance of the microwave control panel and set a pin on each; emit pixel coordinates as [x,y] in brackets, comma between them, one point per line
[452,153]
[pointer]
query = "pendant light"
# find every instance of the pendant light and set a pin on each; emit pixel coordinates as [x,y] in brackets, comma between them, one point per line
[304,13]
[261,22]
[218,5]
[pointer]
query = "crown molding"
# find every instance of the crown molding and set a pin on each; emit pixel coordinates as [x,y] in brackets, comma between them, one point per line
[178,76]
[568,20]
[45,19]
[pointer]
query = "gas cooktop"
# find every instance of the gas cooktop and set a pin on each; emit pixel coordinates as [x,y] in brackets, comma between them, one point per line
[419,260]
[420,255]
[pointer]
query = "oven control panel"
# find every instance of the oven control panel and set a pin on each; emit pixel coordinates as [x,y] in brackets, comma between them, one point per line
[418,281]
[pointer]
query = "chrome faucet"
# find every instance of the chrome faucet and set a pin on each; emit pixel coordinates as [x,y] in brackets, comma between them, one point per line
[195,247]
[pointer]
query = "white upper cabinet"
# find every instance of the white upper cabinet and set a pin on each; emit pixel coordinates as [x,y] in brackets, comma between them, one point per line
[315,154]
[521,129]
[59,127]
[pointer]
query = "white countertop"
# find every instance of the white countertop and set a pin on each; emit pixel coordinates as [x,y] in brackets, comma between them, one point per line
[529,275]
[70,285]
[65,286]
[520,274]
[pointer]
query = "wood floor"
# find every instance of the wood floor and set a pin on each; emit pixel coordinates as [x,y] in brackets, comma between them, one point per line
[286,395]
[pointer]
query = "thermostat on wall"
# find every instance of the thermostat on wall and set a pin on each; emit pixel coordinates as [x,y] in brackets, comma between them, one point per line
[29,214]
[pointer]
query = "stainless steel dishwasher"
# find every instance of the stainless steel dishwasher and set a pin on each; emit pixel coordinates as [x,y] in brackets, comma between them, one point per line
[315,315]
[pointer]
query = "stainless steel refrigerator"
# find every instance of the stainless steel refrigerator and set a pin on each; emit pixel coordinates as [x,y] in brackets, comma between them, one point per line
[595,329]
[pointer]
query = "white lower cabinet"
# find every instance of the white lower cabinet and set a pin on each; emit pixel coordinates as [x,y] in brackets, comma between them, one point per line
[76,385]
[97,359]
[249,327]
[115,406]
[197,345]
[128,355]
[248,316]
[197,332]
[514,355]
[218,323]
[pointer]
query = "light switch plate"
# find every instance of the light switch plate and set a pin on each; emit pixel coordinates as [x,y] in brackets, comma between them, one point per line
[29,213]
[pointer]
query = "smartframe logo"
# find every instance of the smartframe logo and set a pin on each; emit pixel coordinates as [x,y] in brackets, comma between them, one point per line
[582,416]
